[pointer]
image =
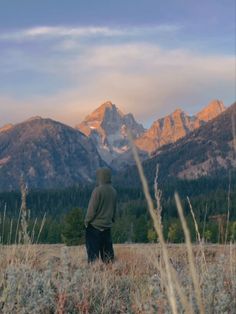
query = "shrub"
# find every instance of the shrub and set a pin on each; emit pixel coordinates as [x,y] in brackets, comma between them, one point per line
[73,227]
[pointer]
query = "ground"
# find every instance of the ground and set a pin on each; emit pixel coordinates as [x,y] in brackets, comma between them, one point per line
[57,279]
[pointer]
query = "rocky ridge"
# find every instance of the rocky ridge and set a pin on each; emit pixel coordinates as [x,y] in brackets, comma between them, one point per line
[107,127]
[175,126]
[50,154]
[209,150]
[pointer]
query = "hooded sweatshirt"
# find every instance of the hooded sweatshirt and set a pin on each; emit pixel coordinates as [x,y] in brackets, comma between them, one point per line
[102,205]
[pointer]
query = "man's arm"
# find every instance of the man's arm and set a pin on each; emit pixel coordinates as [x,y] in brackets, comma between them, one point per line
[92,207]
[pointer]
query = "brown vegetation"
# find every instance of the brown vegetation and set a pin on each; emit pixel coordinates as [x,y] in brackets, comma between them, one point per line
[57,279]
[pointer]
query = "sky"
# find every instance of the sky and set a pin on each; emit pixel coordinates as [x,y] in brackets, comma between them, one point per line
[62,59]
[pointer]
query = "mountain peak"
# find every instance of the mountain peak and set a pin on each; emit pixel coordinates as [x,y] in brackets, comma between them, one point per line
[100,112]
[107,127]
[177,114]
[177,111]
[107,104]
[34,118]
[211,111]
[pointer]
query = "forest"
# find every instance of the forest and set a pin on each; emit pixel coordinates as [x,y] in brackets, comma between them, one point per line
[61,212]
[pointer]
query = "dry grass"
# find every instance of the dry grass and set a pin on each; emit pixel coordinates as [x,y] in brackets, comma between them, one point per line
[186,289]
[157,278]
[57,279]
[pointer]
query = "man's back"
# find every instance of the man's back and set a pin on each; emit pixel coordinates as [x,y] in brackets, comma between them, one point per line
[99,218]
[102,205]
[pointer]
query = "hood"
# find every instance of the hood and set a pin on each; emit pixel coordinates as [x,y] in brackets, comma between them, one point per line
[103,176]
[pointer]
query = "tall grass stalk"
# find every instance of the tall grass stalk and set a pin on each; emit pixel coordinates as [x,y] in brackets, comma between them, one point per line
[158,193]
[204,224]
[157,226]
[33,230]
[41,227]
[163,279]
[25,213]
[192,268]
[197,233]
[234,132]
[3,223]
[10,233]
[228,209]
[179,289]
[17,228]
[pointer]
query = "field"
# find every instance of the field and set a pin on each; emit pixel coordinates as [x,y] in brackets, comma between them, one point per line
[57,279]
[144,278]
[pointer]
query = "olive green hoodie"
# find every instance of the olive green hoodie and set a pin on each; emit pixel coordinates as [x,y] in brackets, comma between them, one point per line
[102,205]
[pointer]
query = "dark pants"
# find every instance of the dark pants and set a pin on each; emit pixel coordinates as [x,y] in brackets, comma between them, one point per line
[99,242]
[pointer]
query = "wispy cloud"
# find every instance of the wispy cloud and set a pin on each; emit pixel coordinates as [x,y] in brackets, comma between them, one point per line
[75,32]
[48,32]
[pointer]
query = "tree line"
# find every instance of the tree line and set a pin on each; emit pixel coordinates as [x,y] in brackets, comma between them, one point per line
[66,208]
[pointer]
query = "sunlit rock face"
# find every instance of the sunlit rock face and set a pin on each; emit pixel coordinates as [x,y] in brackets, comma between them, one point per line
[6,127]
[175,126]
[107,127]
[207,151]
[211,111]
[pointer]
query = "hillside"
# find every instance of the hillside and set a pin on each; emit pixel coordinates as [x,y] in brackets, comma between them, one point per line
[47,153]
[206,151]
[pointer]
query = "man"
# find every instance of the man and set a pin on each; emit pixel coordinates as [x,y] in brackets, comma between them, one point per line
[100,217]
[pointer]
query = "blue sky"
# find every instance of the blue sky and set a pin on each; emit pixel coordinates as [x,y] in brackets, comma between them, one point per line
[61,59]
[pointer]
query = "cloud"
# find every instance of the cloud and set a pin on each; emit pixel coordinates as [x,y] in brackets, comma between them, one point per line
[148,80]
[140,77]
[88,31]
[151,82]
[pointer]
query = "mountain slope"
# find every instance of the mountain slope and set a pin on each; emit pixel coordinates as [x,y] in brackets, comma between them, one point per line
[211,111]
[107,127]
[6,127]
[47,153]
[175,126]
[206,151]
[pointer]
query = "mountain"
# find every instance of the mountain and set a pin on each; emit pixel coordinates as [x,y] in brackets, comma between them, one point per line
[211,111]
[209,150]
[51,154]
[47,153]
[175,126]
[6,127]
[107,127]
